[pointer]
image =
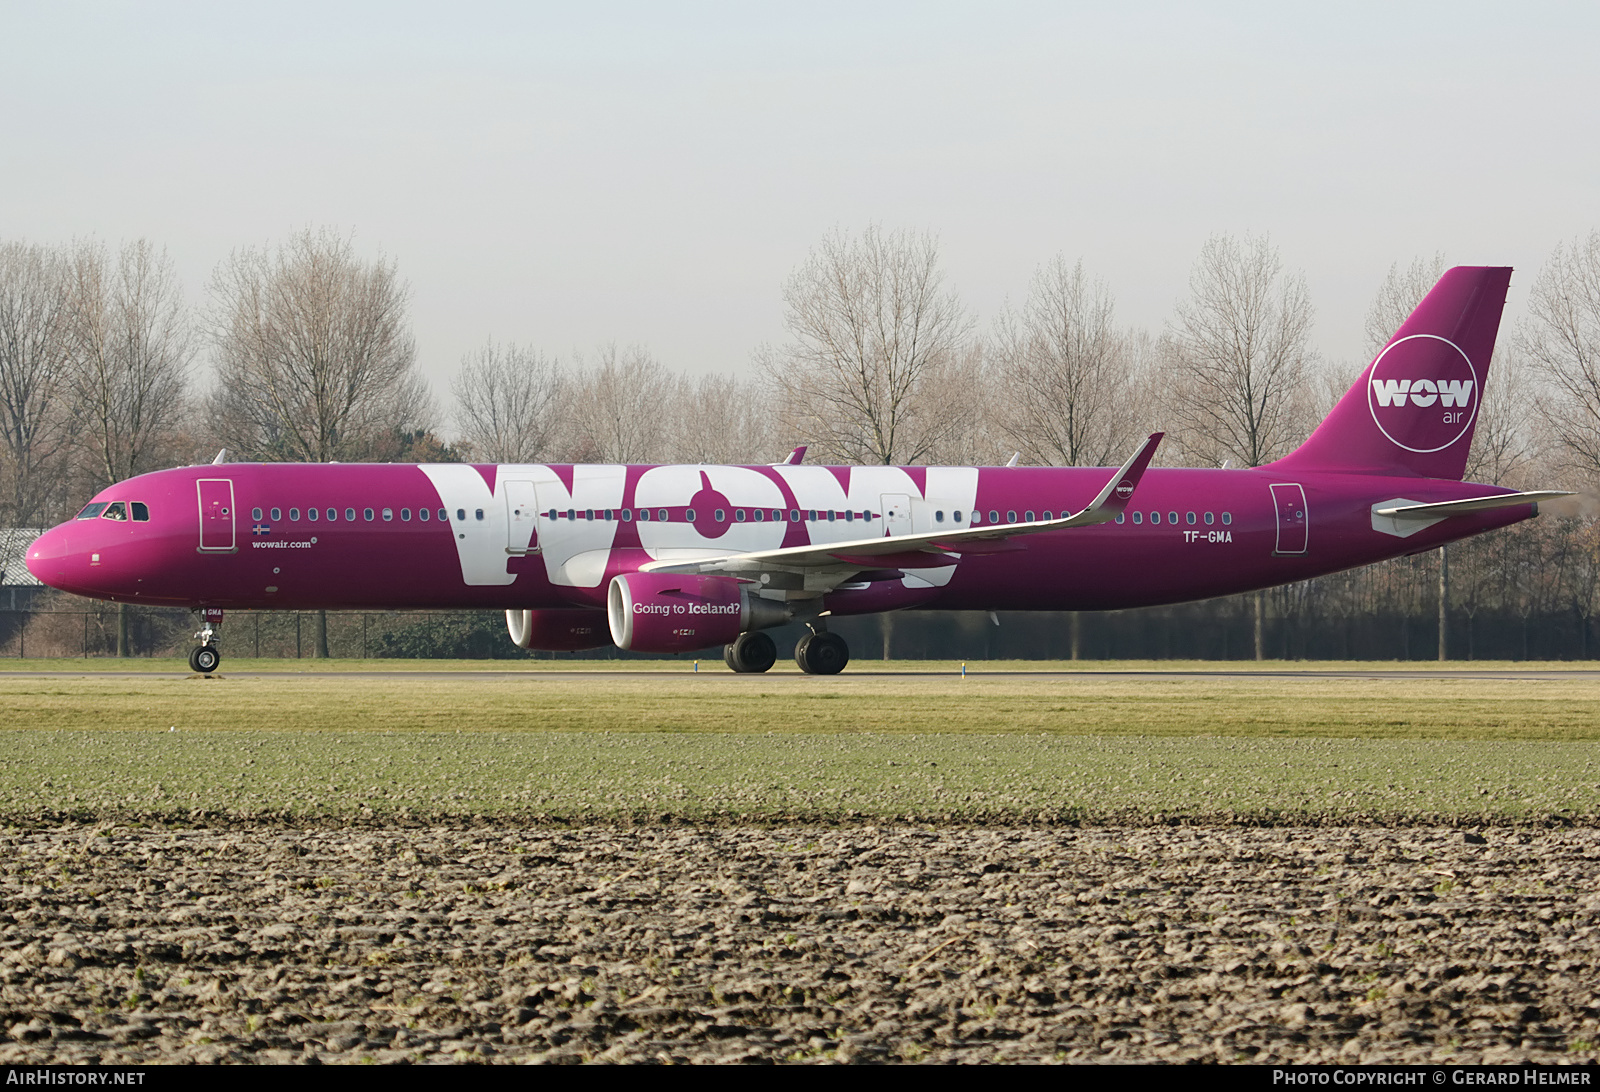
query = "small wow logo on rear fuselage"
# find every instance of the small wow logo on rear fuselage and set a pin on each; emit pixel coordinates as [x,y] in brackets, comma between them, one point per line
[1423,393]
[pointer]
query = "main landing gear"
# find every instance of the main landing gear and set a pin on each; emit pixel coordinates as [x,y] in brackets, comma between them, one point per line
[751,654]
[205,659]
[822,653]
[818,653]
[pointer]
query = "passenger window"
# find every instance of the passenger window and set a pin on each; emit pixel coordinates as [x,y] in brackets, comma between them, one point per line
[117,511]
[405,515]
[1048,516]
[627,515]
[91,510]
[794,515]
[350,514]
[738,515]
[688,514]
[1172,518]
[848,516]
[956,516]
[388,515]
[311,514]
[588,513]
[938,516]
[1027,517]
[366,513]
[1155,517]
[661,514]
[720,515]
[333,515]
[422,514]
[479,512]
[1138,518]
[277,514]
[977,518]
[461,514]
[294,514]
[255,513]
[444,517]
[1210,518]
[994,517]
[1227,518]
[1188,517]
[608,515]
[1121,516]
[644,515]
[141,512]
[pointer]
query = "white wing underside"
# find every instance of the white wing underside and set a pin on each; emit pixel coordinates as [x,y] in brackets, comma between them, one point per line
[932,549]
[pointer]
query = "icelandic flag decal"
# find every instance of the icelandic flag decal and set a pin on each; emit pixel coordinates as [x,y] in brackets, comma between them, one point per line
[261,529]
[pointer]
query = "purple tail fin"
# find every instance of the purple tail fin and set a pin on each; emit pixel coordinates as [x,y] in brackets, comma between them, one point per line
[1414,408]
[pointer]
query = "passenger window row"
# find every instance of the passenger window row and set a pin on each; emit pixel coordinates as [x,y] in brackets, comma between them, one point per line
[1172,518]
[688,515]
[316,515]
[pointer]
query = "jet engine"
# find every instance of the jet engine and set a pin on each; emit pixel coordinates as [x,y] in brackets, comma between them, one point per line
[667,612]
[558,630]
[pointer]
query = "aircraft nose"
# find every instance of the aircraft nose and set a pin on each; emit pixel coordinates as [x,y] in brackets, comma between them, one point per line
[51,559]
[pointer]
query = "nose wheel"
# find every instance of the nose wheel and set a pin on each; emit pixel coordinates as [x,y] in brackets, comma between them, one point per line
[205,659]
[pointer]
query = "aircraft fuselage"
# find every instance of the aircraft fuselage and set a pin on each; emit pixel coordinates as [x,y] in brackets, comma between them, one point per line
[391,536]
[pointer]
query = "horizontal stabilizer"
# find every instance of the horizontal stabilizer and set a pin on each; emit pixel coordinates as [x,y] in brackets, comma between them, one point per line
[1471,504]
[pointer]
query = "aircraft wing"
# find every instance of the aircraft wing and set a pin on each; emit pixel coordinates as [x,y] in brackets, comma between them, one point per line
[1471,504]
[928,550]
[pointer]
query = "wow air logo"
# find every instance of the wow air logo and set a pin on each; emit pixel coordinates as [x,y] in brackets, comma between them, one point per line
[1423,393]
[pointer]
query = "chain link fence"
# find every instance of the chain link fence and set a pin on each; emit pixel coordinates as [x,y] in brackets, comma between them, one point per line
[52,625]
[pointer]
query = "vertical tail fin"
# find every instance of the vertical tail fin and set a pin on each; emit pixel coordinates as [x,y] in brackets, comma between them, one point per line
[1414,408]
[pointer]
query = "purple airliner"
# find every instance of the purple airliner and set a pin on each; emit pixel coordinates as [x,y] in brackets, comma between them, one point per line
[678,558]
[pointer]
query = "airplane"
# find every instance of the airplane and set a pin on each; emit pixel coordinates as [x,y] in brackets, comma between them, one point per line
[672,559]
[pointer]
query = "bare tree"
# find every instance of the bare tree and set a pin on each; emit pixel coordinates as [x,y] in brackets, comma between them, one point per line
[871,328]
[1561,339]
[1398,296]
[962,391]
[1241,347]
[34,358]
[619,409]
[1064,371]
[315,359]
[132,346]
[722,419]
[509,403]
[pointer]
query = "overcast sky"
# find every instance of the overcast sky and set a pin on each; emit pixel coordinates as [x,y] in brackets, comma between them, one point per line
[563,175]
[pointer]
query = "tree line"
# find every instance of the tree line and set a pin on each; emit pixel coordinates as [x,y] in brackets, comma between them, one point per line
[303,352]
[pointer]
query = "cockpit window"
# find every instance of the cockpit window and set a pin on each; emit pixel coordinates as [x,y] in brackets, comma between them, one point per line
[117,510]
[141,512]
[92,510]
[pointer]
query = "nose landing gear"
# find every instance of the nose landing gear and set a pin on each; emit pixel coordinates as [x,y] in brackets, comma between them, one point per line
[205,659]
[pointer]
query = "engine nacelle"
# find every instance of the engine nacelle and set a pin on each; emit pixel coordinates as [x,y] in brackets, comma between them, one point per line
[670,612]
[558,630]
